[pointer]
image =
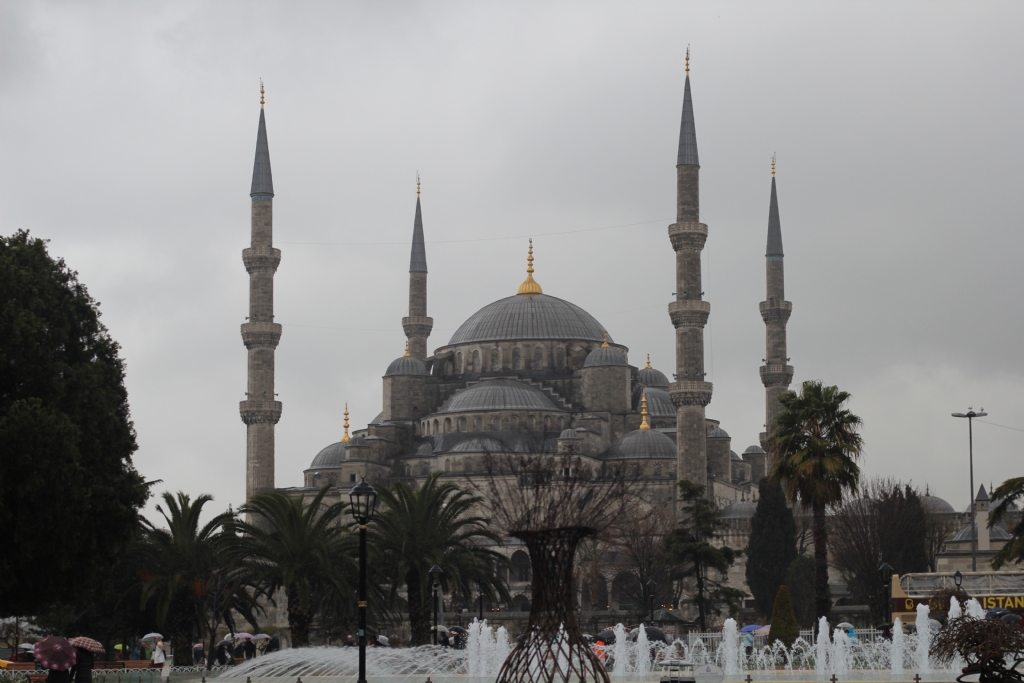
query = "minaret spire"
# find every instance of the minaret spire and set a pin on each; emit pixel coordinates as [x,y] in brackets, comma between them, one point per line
[417,325]
[689,312]
[776,373]
[260,411]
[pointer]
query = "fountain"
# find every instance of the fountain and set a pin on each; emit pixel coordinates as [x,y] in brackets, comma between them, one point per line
[897,647]
[730,648]
[924,638]
[620,653]
[821,647]
[642,665]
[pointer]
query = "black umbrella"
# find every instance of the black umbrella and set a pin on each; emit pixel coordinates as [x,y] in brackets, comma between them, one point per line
[457,629]
[654,634]
[606,637]
[1011,619]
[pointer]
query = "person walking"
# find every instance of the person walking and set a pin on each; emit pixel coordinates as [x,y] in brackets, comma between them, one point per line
[160,659]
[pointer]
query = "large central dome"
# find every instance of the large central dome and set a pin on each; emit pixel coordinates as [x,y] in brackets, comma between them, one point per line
[532,316]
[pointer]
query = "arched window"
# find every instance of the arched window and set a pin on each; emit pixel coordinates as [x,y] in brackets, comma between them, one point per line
[559,357]
[448,367]
[496,424]
[530,423]
[462,424]
[538,357]
[467,466]
[478,424]
[447,425]
[561,425]
[517,362]
[495,359]
[458,363]
[435,427]
[476,362]
[521,567]
[408,470]
[547,423]
[513,423]
[447,465]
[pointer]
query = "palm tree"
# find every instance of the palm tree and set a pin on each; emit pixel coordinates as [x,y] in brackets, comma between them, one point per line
[303,549]
[1008,493]
[435,524]
[813,448]
[187,573]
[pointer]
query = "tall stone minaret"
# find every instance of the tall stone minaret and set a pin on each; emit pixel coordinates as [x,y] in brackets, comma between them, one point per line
[260,411]
[417,325]
[776,373]
[689,312]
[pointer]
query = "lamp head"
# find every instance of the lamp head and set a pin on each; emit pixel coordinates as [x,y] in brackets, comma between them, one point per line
[363,500]
[435,574]
[885,572]
[958,578]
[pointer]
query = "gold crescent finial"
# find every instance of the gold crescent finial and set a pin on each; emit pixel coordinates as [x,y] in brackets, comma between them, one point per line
[406,354]
[345,437]
[530,285]
[417,184]
[604,344]
[648,362]
[261,93]
[687,60]
[773,164]
[643,413]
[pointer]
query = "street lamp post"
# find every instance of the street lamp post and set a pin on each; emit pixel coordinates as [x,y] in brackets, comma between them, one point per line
[650,589]
[885,573]
[363,502]
[970,415]
[435,574]
[958,579]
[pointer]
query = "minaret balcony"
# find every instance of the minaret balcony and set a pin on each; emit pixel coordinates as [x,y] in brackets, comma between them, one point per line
[688,236]
[417,325]
[689,312]
[255,412]
[774,310]
[261,258]
[690,393]
[261,335]
[773,375]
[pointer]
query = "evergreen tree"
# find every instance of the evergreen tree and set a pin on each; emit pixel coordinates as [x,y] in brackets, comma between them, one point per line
[772,546]
[784,626]
[800,576]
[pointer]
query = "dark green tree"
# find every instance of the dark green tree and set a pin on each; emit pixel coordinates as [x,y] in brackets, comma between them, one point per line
[435,524]
[784,626]
[772,546]
[692,551]
[1009,493]
[301,548]
[69,494]
[800,576]
[814,446]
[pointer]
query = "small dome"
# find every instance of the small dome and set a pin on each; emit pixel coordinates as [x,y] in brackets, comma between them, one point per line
[996,533]
[936,506]
[604,356]
[406,365]
[718,433]
[331,456]
[735,456]
[570,435]
[659,403]
[756,450]
[498,394]
[356,442]
[646,444]
[743,509]
[650,377]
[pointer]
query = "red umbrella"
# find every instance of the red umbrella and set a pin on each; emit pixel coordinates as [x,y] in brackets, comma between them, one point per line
[88,644]
[55,653]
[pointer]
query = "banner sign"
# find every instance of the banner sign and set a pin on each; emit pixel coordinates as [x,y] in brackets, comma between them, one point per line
[1010,602]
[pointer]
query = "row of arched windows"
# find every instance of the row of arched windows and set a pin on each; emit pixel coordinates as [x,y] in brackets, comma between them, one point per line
[471,362]
[494,423]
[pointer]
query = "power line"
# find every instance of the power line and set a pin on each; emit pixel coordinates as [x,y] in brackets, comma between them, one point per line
[477,239]
[1003,426]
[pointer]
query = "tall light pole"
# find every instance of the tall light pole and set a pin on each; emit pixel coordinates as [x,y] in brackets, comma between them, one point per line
[885,573]
[650,588]
[363,502]
[970,415]
[435,574]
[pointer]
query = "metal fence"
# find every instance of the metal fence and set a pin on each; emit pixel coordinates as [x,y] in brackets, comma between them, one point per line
[712,639]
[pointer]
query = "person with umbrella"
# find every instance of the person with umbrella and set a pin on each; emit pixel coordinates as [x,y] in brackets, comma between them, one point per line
[58,656]
[81,672]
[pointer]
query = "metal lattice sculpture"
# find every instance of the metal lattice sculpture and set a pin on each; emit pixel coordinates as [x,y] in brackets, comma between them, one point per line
[990,648]
[551,503]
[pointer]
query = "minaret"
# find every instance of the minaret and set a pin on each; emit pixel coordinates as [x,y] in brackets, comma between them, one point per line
[776,373]
[689,312]
[417,325]
[260,411]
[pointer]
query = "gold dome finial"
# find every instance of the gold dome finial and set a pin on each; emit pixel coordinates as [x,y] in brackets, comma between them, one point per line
[643,413]
[604,344]
[530,285]
[687,60]
[417,184]
[648,363]
[773,164]
[345,437]
[406,354]
[261,93]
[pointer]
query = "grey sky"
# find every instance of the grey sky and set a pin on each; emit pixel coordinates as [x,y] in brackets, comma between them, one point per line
[127,134]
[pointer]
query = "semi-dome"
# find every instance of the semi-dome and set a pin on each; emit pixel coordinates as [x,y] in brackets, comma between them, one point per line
[936,506]
[642,444]
[604,356]
[331,456]
[718,433]
[498,394]
[406,365]
[569,434]
[650,377]
[659,402]
[478,444]
[741,509]
[537,316]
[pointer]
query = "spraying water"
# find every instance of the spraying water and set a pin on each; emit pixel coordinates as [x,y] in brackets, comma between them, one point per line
[840,652]
[620,653]
[897,647]
[924,638]
[643,652]
[821,647]
[955,610]
[974,609]
[730,648]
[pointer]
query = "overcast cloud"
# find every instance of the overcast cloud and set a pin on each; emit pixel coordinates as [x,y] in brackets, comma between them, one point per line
[127,133]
